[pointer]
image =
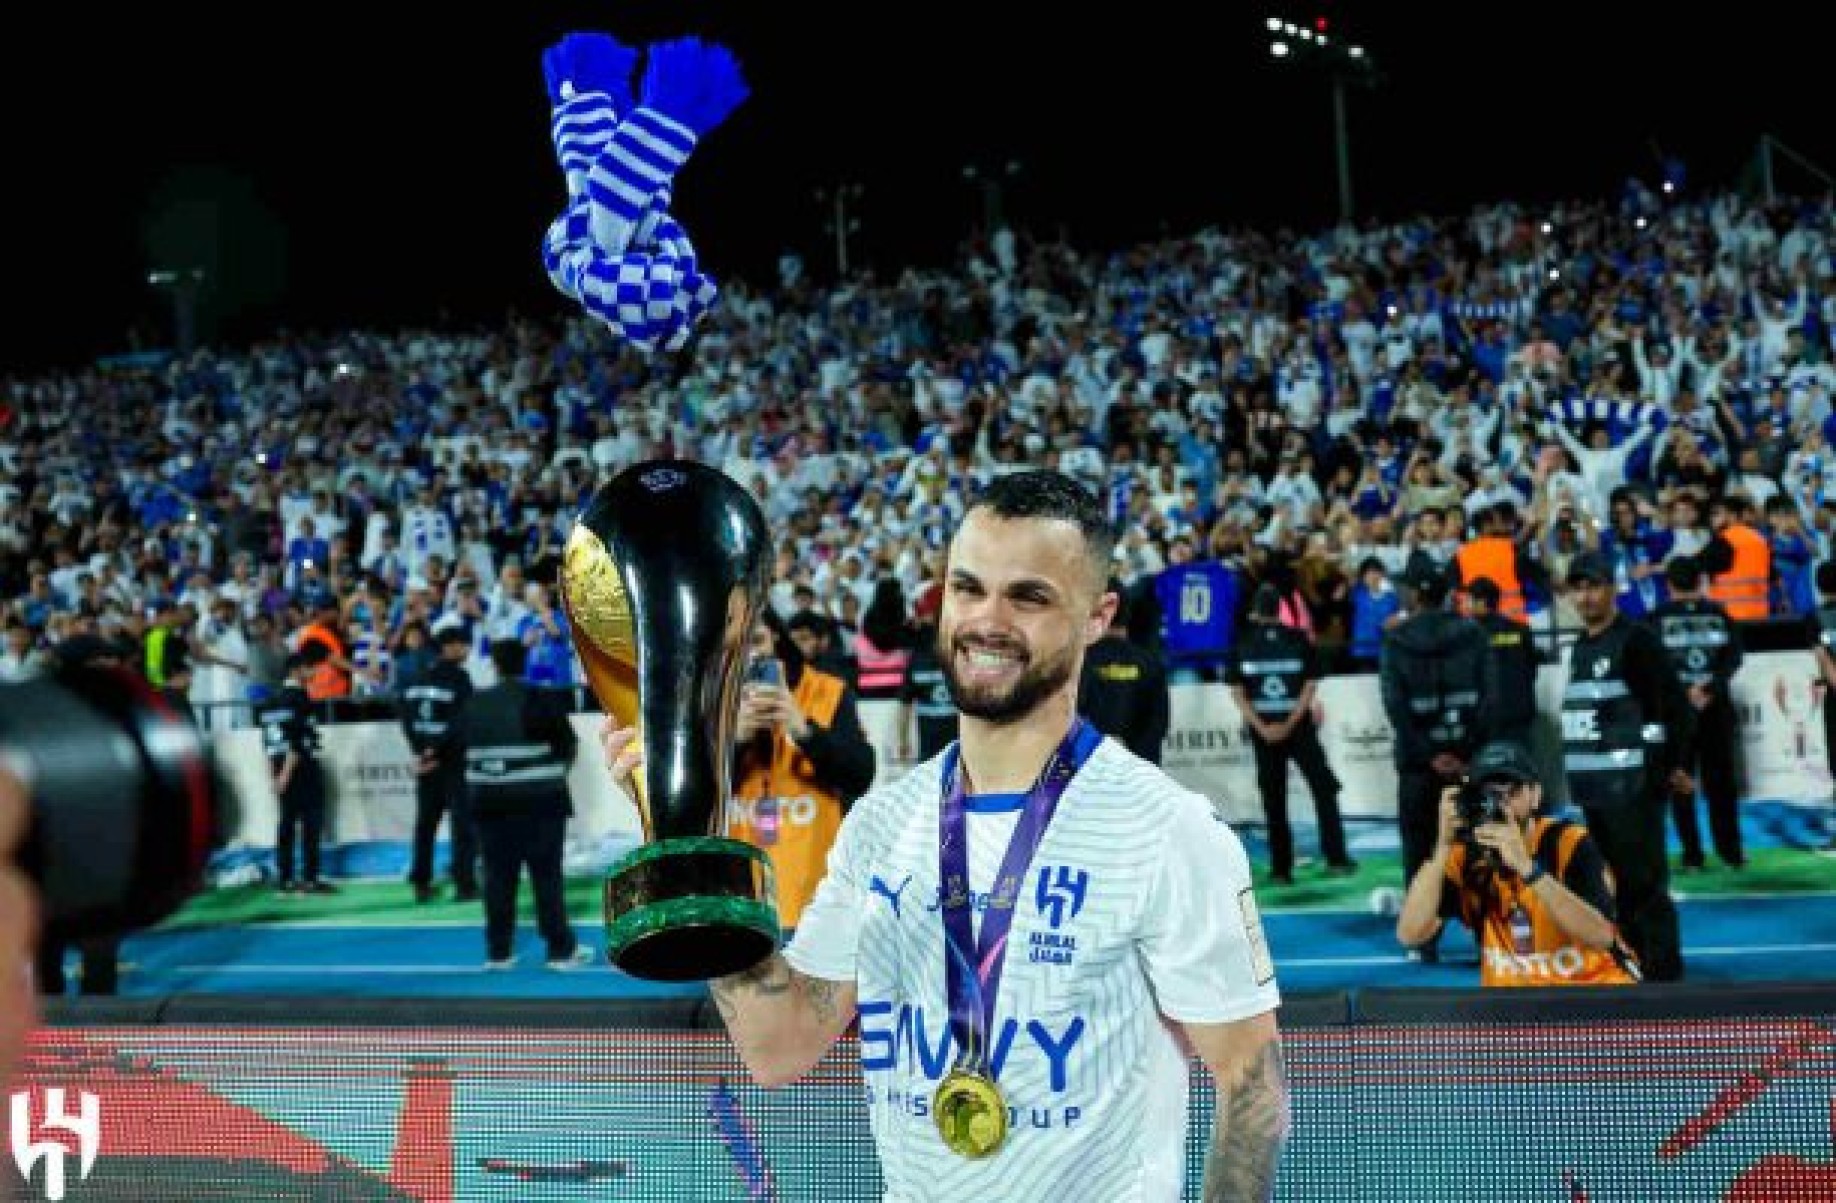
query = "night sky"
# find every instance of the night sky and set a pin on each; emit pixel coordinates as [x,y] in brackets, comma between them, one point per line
[331,169]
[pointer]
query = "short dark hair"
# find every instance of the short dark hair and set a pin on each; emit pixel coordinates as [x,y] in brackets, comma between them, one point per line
[811,621]
[509,657]
[1042,493]
[1683,572]
[1485,591]
[1826,577]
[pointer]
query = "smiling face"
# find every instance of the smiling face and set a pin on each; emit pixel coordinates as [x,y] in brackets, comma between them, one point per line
[1022,602]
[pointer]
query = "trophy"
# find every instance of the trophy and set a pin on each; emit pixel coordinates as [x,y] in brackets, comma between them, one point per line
[664,574]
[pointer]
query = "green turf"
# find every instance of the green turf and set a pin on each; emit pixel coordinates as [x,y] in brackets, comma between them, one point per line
[1770,871]
[378,902]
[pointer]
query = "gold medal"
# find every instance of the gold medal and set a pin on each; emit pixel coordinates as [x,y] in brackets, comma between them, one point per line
[971,1115]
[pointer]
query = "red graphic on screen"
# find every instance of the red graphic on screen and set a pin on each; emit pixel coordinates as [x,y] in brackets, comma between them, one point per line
[165,1137]
[1777,1177]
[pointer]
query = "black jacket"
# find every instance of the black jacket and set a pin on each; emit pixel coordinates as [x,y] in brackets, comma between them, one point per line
[431,708]
[1432,675]
[518,746]
[1123,692]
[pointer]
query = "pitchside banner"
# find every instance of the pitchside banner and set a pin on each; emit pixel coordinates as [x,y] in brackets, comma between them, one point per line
[370,818]
[1781,737]
[370,802]
[1696,1111]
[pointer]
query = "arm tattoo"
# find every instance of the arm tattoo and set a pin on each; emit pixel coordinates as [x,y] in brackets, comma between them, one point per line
[821,996]
[1252,1125]
[769,977]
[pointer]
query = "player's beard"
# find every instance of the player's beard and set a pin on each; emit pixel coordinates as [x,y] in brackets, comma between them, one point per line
[1003,703]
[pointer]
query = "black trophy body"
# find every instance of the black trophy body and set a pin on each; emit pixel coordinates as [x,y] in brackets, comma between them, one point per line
[664,575]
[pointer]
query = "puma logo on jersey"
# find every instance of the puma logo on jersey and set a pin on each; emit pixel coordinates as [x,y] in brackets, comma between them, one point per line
[878,886]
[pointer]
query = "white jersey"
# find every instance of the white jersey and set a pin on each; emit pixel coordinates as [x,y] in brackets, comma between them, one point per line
[1137,905]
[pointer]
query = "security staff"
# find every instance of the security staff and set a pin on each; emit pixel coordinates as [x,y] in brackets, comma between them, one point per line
[1621,709]
[1495,555]
[1123,691]
[1432,674]
[1705,652]
[290,739]
[1738,560]
[1273,674]
[1510,665]
[430,712]
[518,745]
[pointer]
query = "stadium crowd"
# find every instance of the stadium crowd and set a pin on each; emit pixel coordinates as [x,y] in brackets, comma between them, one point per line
[1309,410]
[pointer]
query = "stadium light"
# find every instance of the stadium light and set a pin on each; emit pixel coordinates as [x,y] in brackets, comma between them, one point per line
[835,202]
[1308,43]
[183,284]
[990,179]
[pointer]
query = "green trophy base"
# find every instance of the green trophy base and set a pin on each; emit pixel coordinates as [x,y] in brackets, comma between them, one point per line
[688,910]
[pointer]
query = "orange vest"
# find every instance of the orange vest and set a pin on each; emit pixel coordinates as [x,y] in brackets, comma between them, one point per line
[780,808]
[878,673]
[1495,558]
[327,680]
[1555,959]
[1743,589]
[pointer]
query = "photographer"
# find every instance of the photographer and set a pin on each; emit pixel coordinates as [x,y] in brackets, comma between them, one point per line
[1534,891]
[800,761]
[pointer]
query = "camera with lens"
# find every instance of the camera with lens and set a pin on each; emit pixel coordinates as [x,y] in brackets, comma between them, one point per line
[1477,806]
[123,799]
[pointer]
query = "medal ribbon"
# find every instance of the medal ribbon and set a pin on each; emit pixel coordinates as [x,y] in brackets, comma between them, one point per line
[973,959]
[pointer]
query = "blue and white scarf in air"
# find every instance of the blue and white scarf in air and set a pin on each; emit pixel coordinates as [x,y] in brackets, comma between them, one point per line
[616,249]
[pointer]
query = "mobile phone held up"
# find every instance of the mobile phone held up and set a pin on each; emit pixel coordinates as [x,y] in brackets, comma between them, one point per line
[765,670]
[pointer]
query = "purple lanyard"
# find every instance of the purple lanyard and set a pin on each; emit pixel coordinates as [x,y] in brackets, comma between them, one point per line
[973,960]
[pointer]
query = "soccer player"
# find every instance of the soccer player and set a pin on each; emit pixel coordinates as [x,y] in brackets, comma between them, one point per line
[1038,927]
